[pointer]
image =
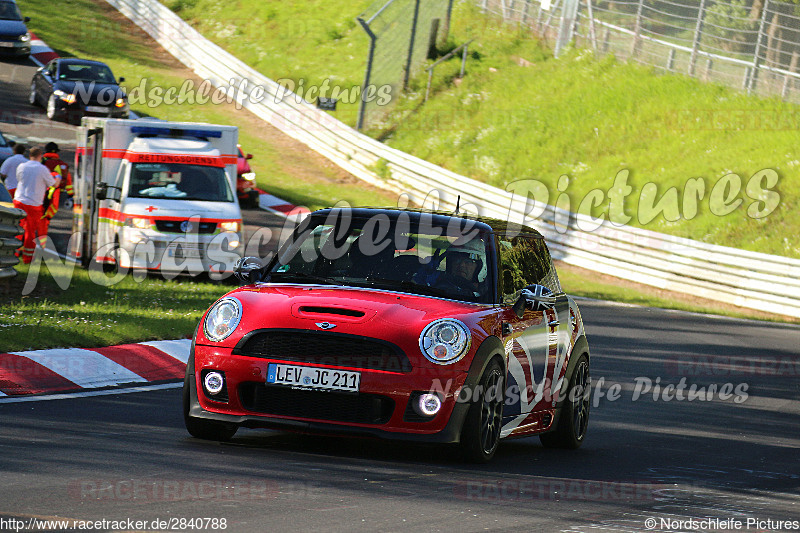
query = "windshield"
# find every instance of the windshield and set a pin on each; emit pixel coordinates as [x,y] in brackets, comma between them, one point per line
[446,262]
[9,11]
[178,181]
[83,72]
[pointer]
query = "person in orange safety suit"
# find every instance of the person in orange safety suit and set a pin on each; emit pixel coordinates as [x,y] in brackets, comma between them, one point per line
[58,168]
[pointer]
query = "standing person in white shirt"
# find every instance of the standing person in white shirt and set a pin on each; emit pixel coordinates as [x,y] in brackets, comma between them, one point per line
[33,179]
[8,171]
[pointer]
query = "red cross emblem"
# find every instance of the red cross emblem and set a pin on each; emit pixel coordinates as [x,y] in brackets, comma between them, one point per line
[151,208]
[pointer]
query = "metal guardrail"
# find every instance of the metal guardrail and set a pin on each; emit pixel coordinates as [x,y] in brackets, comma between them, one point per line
[9,230]
[748,279]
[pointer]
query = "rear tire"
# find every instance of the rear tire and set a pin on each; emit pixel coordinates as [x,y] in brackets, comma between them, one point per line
[574,420]
[481,434]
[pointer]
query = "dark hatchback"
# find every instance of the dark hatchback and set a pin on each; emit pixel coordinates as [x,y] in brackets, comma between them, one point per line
[72,88]
[15,40]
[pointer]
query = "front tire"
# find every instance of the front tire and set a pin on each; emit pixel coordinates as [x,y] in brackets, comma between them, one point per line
[574,420]
[51,107]
[481,434]
[199,427]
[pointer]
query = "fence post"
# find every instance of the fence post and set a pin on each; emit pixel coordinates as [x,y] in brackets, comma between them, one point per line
[637,29]
[671,60]
[751,84]
[592,31]
[709,69]
[606,40]
[363,105]
[696,41]
[464,60]
[569,11]
[525,12]
[411,44]
[448,17]
[789,78]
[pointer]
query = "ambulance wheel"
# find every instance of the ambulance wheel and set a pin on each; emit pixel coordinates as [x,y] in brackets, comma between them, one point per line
[114,254]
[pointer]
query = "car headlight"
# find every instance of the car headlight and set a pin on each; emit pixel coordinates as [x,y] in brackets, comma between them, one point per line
[120,102]
[249,176]
[222,319]
[445,341]
[138,223]
[68,98]
[25,37]
[234,226]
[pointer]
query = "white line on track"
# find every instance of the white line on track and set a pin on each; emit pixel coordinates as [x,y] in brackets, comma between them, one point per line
[85,394]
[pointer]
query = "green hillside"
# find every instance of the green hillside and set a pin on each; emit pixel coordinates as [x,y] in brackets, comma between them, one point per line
[693,153]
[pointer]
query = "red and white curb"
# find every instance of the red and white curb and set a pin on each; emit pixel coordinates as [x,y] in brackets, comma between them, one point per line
[76,369]
[41,54]
[281,207]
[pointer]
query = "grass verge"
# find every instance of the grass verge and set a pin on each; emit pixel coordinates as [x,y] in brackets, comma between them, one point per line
[87,315]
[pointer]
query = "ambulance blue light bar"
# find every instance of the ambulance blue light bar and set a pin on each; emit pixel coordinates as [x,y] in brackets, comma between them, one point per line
[175,132]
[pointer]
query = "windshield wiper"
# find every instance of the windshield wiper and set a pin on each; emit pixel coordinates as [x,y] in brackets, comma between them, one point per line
[404,285]
[300,276]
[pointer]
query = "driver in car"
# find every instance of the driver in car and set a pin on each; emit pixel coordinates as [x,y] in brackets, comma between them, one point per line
[464,267]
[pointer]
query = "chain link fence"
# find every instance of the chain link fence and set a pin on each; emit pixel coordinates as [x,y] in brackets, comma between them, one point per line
[402,34]
[751,45]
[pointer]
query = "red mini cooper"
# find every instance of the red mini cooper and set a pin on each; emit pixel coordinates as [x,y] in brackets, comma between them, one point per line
[398,324]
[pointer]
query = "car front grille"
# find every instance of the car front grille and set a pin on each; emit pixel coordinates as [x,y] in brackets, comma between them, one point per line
[174,226]
[320,405]
[324,348]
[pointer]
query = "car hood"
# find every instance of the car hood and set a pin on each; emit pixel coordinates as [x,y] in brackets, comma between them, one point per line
[391,316]
[12,28]
[91,88]
[242,166]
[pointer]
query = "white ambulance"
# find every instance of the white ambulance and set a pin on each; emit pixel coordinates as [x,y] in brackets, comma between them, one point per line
[156,195]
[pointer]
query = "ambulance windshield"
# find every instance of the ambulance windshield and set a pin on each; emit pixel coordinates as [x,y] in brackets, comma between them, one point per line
[178,181]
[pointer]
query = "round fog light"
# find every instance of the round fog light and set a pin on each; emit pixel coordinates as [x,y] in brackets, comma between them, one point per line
[429,404]
[214,382]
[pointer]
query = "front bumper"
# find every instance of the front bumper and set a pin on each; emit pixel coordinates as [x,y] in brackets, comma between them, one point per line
[91,110]
[151,250]
[15,48]
[392,390]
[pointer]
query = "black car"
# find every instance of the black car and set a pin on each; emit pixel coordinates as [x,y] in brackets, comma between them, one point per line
[72,88]
[14,37]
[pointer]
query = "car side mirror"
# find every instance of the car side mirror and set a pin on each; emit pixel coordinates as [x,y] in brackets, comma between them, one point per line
[249,156]
[121,79]
[248,270]
[26,20]
[101,192]
[535,297]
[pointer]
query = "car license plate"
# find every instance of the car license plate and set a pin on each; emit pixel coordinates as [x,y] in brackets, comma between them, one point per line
[96,109]
[6,44]
[183,251]
[309,377]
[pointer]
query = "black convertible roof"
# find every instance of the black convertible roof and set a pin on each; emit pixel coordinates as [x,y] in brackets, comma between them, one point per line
[437,218]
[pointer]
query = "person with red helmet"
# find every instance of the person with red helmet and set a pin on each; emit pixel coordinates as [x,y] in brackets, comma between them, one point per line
[57,168]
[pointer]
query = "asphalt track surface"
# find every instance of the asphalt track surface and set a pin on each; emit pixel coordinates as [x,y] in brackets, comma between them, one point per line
[121,456]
